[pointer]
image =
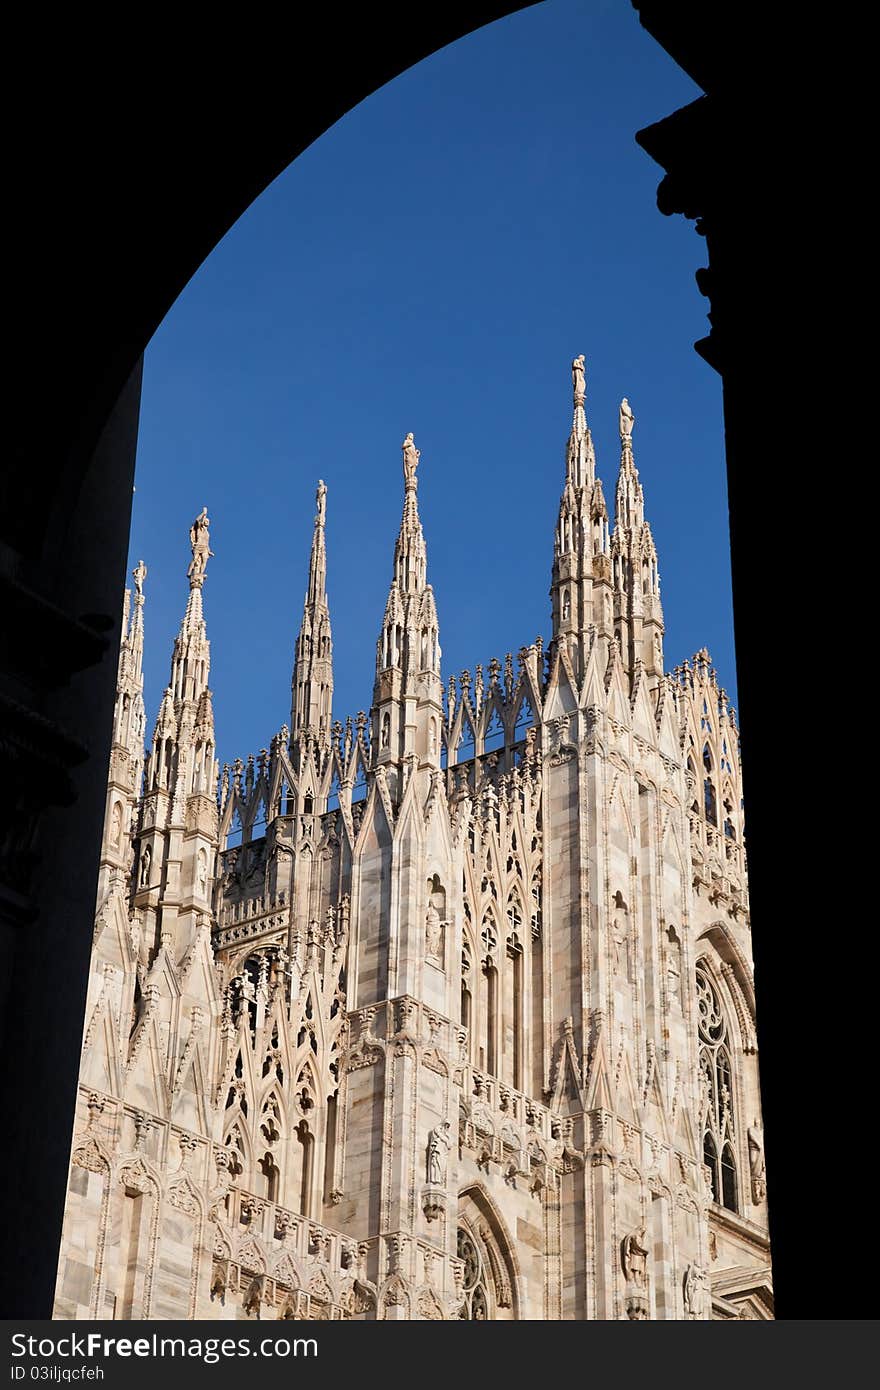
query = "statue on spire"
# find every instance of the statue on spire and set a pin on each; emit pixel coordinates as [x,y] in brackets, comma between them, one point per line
[199,539]
[321,502]
[411,457]
[578,379]
[139,574]
[627,420]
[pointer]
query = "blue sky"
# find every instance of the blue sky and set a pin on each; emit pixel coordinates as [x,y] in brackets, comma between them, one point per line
[433,263]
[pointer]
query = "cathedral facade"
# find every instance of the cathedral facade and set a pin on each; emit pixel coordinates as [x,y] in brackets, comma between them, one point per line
[442,1012]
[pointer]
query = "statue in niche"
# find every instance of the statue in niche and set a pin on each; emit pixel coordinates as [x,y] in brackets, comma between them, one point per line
[199,539]
[694,1288]
[620,937]
[433,932]
[756,1162]
[203,873]
[435,914]
[411,457]
[385,736]
[627,420]
[634,1255]
[116,825]
[439,1143]
[146,860]
[673,968]
[578,377]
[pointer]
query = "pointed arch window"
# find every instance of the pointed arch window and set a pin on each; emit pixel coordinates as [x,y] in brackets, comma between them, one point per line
[719,1133]
[475,1284]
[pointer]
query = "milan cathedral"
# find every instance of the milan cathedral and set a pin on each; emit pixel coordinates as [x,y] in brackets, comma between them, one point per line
[445,1011]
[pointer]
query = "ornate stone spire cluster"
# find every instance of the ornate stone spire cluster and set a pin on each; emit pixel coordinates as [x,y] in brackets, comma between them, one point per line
[605,587]
[182,758]
[312,682]
[178,842]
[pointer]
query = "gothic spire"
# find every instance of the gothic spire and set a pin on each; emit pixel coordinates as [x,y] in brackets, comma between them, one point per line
[580,455]
[408,650]
[638,616]
[410,555]
[129,722]
[127,748]
[630,500]
[409,630]
[186,706]
[580,555]
[312,680]
[178,827]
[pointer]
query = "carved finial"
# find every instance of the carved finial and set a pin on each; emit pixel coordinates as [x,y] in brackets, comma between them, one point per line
[199,539]
[627,420]
[578,379]
[411,457]
[139,574]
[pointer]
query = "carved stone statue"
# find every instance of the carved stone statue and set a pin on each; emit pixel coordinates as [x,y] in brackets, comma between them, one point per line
[627,420]
[578,378]
[433,932]
[634,1255]
[694,1289]
[203,873]
[411,457]
[116,825]
[756,1162]
[321,503]
[673,969]
[139,574]
[199,539]
[620,937]
[146,859]
[439,1142]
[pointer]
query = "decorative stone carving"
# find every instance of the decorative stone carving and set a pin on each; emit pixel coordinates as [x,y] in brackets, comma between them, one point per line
[694,1291]
[756,1162]
[634,1257]
[439,1141]
[411,457]
[578,379]
[199,539]
[433,933]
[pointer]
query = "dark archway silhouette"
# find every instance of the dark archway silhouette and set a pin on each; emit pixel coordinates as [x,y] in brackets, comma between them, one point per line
[134,168]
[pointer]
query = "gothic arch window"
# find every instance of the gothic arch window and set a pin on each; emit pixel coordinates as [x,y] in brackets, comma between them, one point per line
[716,1073]
[465,985]
[475,1280]
[269,1177]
